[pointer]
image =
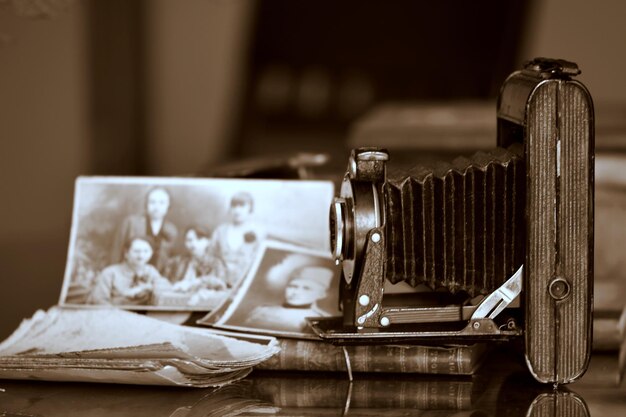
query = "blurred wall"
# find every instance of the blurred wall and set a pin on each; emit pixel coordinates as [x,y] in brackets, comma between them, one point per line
[591,34]
[195,62]
[44,139]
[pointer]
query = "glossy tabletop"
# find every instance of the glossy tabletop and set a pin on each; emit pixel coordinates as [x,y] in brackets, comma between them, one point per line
[502,387]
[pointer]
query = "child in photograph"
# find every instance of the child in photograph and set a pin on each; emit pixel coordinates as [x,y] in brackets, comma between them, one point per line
[306,286]
[152,223]
[197,267]
[236,241]
[132,282]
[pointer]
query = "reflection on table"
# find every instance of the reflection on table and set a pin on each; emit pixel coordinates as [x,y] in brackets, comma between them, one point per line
[502,387]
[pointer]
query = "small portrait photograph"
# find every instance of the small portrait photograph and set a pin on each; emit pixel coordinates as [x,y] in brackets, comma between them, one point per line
[285,285]
[181,244]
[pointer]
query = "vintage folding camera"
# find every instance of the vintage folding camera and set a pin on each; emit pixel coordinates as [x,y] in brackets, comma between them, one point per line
[503,239]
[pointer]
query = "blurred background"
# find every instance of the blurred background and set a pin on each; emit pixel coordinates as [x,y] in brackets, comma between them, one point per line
[156,87]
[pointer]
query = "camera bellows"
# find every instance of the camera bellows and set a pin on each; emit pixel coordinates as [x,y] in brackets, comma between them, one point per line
[460,225]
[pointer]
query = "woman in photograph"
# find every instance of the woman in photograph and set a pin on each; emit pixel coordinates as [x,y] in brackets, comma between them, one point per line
[236,241]
[152,223]
[131,282]
[306,286]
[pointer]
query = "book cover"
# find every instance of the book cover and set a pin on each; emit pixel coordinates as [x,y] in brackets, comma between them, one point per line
[313,355]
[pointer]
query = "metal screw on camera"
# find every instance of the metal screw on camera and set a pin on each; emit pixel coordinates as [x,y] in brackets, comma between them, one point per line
[364,300]
[559,288]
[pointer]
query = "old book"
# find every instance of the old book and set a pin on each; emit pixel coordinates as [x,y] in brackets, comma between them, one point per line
[311,355]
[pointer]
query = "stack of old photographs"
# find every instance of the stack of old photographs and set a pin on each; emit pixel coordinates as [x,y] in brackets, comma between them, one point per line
[168,248]
[112,345]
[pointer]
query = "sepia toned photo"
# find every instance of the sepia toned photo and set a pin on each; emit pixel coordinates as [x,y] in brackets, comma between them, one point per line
[285,285]
[181,243]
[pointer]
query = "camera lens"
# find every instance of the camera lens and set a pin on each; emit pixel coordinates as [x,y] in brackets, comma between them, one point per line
[337,228]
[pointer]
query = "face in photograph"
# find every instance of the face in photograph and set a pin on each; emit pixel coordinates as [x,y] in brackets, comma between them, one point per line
[138,253]
[306,286]
[157,203]
[241,208]
[196,243]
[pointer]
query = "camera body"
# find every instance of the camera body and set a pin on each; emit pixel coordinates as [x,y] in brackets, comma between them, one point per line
[503,240]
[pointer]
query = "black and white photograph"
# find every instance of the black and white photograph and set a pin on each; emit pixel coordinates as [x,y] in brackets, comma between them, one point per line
[285,285]
[181,243]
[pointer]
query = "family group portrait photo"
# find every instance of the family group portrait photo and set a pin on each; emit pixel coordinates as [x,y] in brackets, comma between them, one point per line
[284,286]
[181,243]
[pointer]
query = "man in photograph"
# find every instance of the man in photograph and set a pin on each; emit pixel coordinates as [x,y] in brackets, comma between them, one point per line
[306,286]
